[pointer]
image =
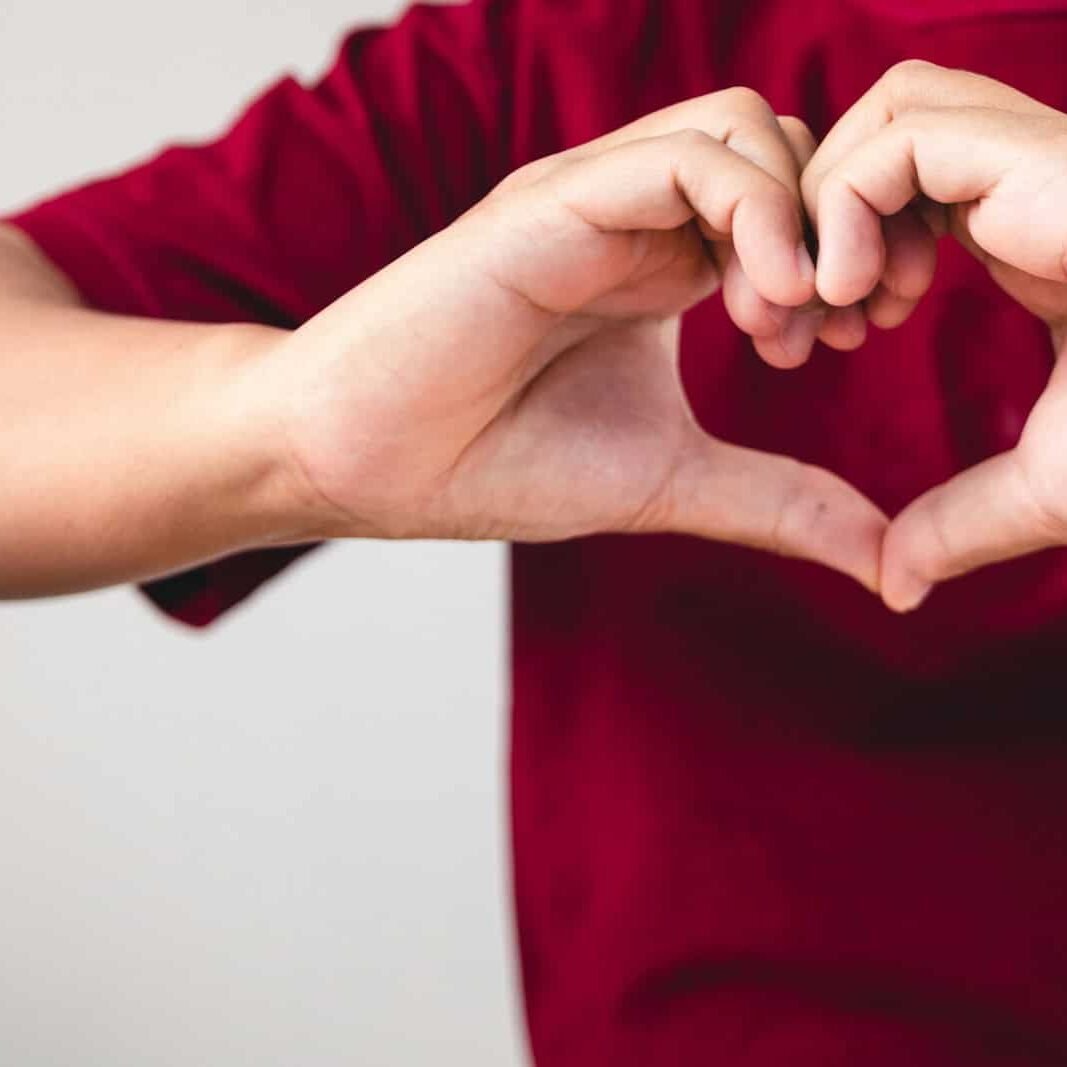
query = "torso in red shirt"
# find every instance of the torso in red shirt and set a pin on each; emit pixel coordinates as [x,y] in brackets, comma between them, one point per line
[758,820]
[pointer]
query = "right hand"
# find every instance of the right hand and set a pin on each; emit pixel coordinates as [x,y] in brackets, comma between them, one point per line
[516,376]
[987,164]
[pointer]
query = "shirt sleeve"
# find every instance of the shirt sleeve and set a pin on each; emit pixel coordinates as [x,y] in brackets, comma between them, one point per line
[310,191]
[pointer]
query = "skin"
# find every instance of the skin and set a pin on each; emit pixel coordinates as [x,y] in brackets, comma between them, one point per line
[530,390]
[988,165]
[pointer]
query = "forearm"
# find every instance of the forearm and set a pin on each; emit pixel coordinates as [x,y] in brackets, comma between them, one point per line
[129,448]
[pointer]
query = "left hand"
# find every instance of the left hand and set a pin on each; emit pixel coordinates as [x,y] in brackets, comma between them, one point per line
[929,151]
[515,376]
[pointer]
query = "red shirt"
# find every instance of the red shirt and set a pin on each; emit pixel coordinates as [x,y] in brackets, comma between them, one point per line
[758,820]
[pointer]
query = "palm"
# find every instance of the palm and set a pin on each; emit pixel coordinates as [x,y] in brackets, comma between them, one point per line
[531,426]
[592,444]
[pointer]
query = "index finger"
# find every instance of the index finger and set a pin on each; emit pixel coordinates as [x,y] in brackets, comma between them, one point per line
[853,242]
[662,183]
[954,156]
[913,85]
[738,117]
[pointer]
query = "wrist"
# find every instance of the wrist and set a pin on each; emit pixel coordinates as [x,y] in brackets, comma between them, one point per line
[147,458]
[263,402]
[267,498]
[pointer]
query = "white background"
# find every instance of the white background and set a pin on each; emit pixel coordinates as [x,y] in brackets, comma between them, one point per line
[283,841]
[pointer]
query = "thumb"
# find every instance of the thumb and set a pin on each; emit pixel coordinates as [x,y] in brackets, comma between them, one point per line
[728,493]
[1004,507]
[986,514]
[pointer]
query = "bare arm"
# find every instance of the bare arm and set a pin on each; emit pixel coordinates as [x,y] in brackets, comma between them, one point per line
[126,450]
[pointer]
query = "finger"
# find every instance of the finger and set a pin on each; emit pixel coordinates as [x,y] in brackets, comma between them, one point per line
[872,236]
[801,140]
[952,156]
[664,182]
[737,117]
[911,255]
[783,337]
[911,263]
[984,515]
[803,144]
[678,270]
[886,310]
[844,329]
[934,215]
[750,312]
[798,510]
[905,87]
[1042,296]
[744,122]
[852,252]
[997,510]
[755,132]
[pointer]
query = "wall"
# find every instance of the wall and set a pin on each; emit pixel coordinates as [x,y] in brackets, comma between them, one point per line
[281,841]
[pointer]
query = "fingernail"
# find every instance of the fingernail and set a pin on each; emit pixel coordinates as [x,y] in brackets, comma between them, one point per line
[911,593]
[800,333]
[805,264]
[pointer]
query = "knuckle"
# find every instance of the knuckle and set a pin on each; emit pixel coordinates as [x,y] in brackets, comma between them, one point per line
[691,148]
[690,137]
[743,98]
[797,128]
[907,71]
[515,180]
[529,173]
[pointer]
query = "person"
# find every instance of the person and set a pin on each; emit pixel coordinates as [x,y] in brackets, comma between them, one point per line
[757,817]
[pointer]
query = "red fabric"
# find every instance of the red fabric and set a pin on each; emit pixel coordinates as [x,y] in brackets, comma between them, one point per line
[757,819]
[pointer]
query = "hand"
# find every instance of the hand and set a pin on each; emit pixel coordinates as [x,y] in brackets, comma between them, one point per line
[929,151]
[516,376]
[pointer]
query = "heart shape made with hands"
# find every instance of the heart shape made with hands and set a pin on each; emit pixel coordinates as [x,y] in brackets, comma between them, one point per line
[549,404]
